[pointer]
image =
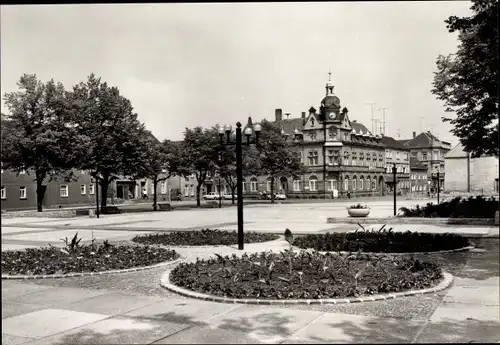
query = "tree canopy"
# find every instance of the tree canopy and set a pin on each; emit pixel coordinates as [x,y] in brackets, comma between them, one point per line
[467,81]
[38,135]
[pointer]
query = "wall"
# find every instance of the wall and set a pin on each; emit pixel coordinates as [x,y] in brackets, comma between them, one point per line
[456,174]
[484,171]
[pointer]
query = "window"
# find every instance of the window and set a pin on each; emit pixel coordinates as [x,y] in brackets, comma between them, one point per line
[163,187]
[296,185]
[387,154]
[244,185]
[268,184]
[4,192]
[253,184]
[424,156]
[312,136]
[312,121]
[83,189]
[354,183]
[192,190]
[374,184]
[1,164]
[346,183]
[397,155]
[91,189]
[361,180]
[63,191]
[313,183]
[186,190]
[354,157]
[313,158]
[22,192]
[152,188]
[332,184]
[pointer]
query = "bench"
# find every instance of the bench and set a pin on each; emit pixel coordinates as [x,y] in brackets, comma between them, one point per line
[165,206]
[110,210]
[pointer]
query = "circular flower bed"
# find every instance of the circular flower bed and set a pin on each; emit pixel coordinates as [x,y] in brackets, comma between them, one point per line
[382,242]
[204,237]
[304,275]
[81,259]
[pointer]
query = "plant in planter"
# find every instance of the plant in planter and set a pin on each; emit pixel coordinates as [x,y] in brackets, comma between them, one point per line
[358,210]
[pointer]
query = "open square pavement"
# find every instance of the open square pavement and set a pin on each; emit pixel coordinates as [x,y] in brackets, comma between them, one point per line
[133,308]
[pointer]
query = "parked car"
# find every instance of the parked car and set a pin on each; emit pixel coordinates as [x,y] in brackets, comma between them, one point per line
[212,196]
[280,196]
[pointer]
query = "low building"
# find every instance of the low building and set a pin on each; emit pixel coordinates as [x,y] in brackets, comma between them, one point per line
[396,154]
[466,174]
[419,184]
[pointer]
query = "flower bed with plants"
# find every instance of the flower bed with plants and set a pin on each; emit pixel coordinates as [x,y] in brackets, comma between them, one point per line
[358,207]
[206,237]
[472,207]
[304,275]
[76,258]
[382,241]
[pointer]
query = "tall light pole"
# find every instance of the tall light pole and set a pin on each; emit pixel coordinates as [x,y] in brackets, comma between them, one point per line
[239,166]
[394,170]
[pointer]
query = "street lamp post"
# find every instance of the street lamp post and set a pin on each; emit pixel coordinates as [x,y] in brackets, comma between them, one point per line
[239,166]
[218,175]
[439,184]
[394,170]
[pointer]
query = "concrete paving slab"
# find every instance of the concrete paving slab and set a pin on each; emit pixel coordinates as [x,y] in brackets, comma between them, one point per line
[43,323]
[112,303]
[271,325]
[204,335]
[13,309]
[469,282]
[451,331]
[116,330]
[11,290]
[488,295]
[449,311]
[58,297]
[13,340]
[343,328]
[189,311]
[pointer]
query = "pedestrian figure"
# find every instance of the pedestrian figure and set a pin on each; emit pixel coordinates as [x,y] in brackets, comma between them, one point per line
[348,195]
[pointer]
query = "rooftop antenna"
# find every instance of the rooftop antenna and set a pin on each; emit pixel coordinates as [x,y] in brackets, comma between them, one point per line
[383,122]
[397,131]
[371,111]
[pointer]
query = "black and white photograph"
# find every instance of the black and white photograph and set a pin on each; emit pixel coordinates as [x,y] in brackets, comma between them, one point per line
[250,172]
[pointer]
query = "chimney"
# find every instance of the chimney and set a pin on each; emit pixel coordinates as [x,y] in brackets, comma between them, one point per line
[414,134]
[303,118]
[279,115]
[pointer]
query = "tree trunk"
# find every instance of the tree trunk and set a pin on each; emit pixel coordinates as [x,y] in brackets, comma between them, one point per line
[233,191]
[104,189]
[198,189]
[40,191]
[155,184]
[272,189]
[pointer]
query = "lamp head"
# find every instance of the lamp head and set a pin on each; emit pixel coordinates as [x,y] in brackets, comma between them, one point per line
[228,128]
[248,131]
[257,128]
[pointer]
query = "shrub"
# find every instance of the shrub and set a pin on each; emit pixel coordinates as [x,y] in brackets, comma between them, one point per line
[205,237]
[382,241]
[472,207]
[358,206]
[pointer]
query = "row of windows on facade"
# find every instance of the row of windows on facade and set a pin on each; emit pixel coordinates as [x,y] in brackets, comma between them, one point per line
[423,156]
[63,191]
[333,157]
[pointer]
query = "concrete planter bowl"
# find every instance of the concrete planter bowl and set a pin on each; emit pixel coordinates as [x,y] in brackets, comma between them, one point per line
[358,212]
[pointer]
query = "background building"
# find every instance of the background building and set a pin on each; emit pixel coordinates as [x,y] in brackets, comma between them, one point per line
[419,184]
[430,151]
[340,155]
[465,174]
[398,154]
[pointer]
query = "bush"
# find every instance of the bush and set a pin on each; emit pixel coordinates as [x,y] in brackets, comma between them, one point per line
[307,275]
[205,237]
[382,241]
[472,207]
[358,206]
[86,258]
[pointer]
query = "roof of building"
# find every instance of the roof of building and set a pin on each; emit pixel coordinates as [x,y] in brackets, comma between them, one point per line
[290,125]
[359,127]
[415,164]
[392,143]
[424,139]
[456,152]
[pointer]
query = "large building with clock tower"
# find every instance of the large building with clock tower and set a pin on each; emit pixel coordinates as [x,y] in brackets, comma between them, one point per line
[341,155]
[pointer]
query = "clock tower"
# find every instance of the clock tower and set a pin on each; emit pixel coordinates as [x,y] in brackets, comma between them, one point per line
[330,105]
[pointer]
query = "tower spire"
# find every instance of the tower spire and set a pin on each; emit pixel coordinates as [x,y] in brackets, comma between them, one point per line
[329,75]
[329,85]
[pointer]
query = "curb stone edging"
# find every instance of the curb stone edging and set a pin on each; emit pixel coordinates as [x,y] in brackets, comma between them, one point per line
[84,274]
[411,220]
[165,283]
[463,249]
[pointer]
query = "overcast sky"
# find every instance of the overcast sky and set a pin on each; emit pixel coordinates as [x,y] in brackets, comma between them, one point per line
[183,65]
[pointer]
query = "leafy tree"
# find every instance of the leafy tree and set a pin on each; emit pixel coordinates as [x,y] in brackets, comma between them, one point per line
[114,134]
[160,161]
[275,155]
[200,150]
[38,135]
[467,81]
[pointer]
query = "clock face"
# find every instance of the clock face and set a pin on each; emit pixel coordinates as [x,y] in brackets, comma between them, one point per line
[336,101]
[332,115]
